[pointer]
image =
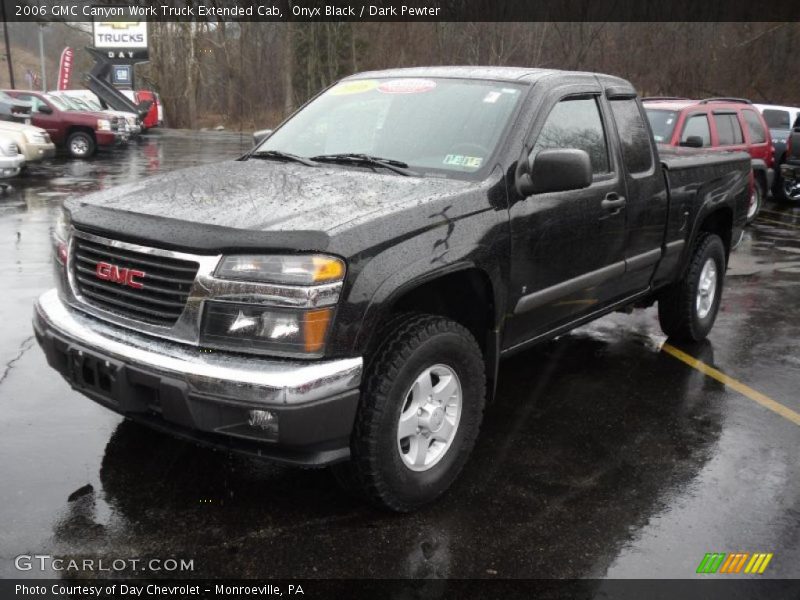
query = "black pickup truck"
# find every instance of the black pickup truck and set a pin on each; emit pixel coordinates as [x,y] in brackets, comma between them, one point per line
[342,294]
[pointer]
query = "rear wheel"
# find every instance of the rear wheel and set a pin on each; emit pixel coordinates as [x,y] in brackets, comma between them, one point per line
[420,413]
[756,200]
[791,190]
[688,308]
[80,144]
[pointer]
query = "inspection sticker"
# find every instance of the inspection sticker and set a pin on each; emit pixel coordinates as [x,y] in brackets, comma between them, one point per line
[406,86]
[459,160]
[492,97]
[354,87]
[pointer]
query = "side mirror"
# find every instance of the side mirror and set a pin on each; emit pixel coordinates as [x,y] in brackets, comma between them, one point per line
[556,170]
[261,135]
[693,141]
[45,109]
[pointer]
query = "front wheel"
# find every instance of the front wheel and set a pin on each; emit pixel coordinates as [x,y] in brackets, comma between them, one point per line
[688,308]
[80,145]
[420,413]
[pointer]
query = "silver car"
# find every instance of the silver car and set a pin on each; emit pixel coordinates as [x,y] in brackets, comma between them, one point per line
[11,161]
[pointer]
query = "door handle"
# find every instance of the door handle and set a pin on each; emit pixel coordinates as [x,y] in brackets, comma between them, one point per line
[613,202]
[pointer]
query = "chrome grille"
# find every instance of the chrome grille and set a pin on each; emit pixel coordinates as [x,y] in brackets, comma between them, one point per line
[166,282]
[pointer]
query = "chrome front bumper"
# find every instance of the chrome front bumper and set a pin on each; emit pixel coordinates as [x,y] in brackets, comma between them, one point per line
[248,379]
[11,165]
[214,398]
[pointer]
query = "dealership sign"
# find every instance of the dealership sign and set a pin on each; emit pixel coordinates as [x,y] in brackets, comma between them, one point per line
[121,39]
[65,68]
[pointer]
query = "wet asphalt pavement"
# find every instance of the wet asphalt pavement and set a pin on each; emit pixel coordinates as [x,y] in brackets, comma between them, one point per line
[602,455]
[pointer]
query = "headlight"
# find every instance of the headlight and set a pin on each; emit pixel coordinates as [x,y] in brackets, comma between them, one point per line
[35,137]
[103,125]
[297,269]
[277,331]
[61,236]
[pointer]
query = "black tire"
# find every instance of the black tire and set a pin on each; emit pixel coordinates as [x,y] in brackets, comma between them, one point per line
[80,144]
[677,306]
[410,345]
[759,193]
[778,193]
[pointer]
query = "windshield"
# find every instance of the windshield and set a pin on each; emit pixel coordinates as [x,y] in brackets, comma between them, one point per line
[662,122]
[92,104]
[77,102]
[432,125]
[776,119]
[60,103]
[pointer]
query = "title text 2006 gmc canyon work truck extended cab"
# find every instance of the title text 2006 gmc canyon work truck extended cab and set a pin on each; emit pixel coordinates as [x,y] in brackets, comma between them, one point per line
[344,292]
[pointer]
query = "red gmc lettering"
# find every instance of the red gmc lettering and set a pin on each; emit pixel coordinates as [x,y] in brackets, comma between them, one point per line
[108,272]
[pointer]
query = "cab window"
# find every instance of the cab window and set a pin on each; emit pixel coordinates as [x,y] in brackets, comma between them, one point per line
[697,126]
[754,127]
[729,131]
[576,123]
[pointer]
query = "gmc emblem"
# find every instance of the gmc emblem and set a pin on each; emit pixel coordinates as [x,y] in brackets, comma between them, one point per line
[124,276]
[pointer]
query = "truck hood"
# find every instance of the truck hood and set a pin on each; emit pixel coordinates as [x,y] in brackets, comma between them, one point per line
[259,195]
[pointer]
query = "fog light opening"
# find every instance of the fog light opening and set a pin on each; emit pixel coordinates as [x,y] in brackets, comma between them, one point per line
[263,419]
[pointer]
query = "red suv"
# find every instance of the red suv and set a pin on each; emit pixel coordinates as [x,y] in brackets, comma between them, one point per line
[80,132]
[717,124]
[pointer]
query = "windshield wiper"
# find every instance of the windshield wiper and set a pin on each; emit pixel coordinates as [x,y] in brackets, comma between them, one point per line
[283,156]
[397,166]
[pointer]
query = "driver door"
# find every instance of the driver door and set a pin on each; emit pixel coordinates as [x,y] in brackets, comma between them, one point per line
[567,248]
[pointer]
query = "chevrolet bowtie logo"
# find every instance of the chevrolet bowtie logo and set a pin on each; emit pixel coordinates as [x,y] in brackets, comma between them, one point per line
[120,24]
[722,562]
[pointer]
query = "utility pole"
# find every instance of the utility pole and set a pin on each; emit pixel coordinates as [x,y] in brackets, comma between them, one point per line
[41,56]
[8,46]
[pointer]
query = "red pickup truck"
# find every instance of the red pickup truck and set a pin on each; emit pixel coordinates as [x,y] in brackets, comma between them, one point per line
[81,133]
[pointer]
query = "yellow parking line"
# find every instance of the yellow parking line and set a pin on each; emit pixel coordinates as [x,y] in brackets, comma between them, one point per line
[765,401]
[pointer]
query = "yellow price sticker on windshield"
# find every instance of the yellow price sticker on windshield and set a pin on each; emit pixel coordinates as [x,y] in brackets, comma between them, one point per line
[359,86]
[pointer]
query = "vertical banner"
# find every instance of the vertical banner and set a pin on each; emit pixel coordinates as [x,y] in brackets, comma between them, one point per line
[65,68]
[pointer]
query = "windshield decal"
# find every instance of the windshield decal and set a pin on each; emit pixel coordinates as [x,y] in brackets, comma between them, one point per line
[354,87]
[406,86]
[459,160]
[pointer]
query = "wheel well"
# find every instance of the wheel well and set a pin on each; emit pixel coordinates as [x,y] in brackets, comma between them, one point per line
[720,222]
[464,296]
[82,128]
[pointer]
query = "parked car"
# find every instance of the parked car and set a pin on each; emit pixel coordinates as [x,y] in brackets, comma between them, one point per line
[717,124]
[87,100]
[14,110]
[79,105]
[342,294]
[790,169]
[155,116]
[33,142]
[780,120]
[81,133]
[11,161]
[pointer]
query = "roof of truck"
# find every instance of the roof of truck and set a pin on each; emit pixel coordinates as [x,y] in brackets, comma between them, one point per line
[527,74]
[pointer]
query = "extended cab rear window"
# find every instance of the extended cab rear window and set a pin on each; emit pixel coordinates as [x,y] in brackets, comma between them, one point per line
[633,135]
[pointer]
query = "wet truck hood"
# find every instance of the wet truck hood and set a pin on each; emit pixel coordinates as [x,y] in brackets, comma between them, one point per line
[252,203]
